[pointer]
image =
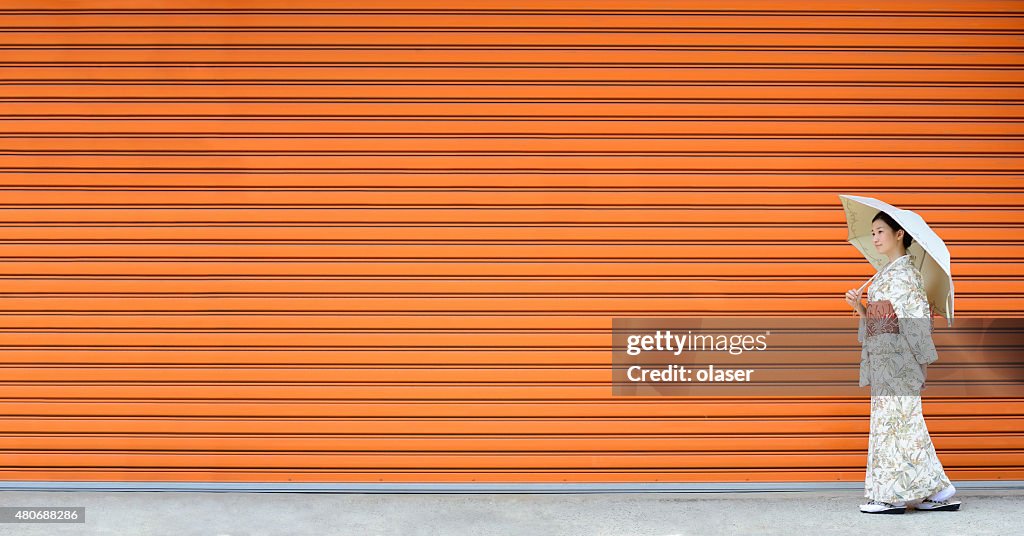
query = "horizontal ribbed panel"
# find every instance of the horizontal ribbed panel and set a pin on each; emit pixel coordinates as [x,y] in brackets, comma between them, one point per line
[329,243]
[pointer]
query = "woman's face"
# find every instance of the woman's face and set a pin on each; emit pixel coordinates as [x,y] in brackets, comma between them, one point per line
[886,241]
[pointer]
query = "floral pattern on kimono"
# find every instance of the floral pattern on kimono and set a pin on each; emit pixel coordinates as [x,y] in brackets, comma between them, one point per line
[902,464]
[896,367]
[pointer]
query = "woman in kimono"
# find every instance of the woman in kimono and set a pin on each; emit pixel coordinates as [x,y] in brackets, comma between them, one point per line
[895,330]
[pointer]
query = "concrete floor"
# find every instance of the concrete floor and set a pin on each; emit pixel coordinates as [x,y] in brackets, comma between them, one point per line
[139,513]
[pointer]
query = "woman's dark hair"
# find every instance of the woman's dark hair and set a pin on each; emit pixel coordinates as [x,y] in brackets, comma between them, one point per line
[907,239]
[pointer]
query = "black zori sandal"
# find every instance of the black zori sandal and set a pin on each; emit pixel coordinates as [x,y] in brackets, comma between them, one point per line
[938,506]
[879,507]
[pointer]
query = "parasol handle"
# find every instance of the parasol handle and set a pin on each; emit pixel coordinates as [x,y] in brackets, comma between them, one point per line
[861,289]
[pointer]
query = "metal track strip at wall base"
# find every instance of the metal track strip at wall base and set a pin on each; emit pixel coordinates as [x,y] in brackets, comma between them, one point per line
[448,487]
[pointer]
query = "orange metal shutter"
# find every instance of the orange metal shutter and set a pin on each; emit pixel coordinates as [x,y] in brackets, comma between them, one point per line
[319,242]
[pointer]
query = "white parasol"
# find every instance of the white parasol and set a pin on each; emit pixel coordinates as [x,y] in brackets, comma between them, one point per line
[928,252]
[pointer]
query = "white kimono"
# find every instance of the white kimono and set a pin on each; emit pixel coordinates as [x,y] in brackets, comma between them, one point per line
[902,463]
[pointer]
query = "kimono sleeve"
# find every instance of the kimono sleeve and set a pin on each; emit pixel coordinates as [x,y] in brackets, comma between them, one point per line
[865,364]
[865,368]
[912,309]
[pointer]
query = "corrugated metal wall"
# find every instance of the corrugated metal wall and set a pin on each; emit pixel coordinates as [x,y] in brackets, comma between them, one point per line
[309,242]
